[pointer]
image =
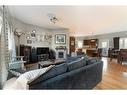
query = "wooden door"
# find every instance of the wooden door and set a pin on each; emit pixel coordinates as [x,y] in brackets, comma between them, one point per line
[116,42]
[72,45]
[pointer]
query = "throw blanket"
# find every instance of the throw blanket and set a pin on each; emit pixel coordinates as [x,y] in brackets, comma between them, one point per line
[21,82]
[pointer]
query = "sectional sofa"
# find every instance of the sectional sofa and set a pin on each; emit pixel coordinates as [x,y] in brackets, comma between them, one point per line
[76,73]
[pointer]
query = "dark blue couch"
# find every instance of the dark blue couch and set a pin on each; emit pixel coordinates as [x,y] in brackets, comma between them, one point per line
[76,73]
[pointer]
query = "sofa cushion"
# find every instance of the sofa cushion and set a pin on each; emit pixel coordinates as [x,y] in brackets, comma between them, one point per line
[74,58]
[80,62]
[84,60]
[70,59]
[90,61]
[56,70]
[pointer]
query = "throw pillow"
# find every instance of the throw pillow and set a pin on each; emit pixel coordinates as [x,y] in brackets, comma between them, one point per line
[29,76]
[76,64]
[16,72]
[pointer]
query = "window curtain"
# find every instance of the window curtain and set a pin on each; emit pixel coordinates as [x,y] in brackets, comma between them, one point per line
[12,46]
[4,54]
[1,22]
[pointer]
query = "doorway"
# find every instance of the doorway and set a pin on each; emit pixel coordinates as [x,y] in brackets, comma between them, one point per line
[105,47]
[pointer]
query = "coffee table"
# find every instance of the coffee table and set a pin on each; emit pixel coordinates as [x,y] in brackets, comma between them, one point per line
[47,63]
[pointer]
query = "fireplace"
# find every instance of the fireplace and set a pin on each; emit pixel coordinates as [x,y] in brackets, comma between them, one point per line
[61,53]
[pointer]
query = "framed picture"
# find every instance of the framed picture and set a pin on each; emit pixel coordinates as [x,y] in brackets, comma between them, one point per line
[29,42]
[33,35]
[60,39]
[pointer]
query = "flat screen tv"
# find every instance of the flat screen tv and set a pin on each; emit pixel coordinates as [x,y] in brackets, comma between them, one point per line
[42,50]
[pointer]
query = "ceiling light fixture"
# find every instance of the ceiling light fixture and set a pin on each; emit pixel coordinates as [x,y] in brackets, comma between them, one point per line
[53,18]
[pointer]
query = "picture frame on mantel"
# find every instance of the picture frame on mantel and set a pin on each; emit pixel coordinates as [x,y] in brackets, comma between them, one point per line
[60,38]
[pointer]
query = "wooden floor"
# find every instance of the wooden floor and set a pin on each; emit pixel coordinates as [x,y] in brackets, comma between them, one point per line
[114,75]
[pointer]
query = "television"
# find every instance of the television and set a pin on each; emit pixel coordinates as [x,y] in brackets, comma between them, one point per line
[42,50]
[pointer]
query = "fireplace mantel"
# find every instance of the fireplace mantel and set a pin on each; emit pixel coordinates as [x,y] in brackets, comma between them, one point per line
[61,48]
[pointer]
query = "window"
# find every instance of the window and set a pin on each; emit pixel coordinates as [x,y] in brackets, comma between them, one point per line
[80,44]
[123,43]
[104,44]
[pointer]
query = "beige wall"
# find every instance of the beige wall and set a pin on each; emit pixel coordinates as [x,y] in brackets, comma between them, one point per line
[26,28]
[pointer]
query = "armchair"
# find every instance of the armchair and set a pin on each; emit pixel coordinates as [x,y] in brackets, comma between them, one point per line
[114,53]
[17,63]
[122,55]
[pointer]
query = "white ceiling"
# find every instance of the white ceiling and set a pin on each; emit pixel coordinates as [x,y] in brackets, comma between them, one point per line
[81,20]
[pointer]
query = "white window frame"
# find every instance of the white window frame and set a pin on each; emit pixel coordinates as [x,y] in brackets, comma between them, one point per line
[80,44]
[122,43]
[105,40]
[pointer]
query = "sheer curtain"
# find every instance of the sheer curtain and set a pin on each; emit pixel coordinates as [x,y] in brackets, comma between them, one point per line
[3,48]
[6,44]
[12,45]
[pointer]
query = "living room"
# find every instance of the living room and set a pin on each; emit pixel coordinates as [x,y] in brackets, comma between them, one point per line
[56,39]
